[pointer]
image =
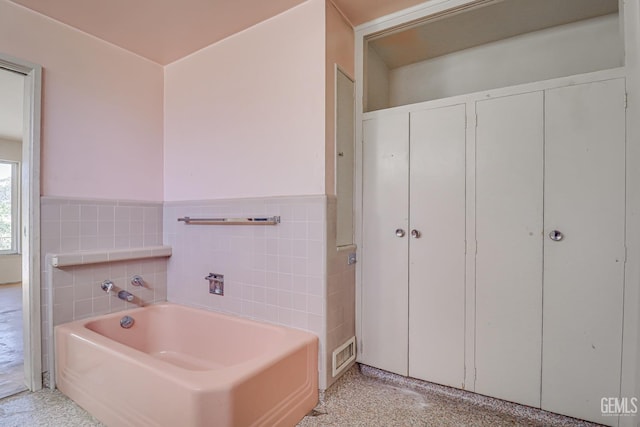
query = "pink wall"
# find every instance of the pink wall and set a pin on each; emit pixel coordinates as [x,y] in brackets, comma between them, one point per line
[102,110]
[245,117]
[340,50]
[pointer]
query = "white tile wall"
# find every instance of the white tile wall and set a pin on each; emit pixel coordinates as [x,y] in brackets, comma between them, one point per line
[77,293]
[76,225]
[272,273]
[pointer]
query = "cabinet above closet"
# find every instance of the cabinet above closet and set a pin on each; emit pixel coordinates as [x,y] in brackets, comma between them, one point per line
[490,44]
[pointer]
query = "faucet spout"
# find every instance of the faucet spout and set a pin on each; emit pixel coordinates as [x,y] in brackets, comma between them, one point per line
[126,296]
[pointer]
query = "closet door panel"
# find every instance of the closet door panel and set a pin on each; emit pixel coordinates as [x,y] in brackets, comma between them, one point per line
[584,272]
[385,254]
[509,214]
[437,254]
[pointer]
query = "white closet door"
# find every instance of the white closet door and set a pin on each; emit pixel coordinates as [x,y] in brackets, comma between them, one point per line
[583,282]
[385,250]
[437,253]
[509,204]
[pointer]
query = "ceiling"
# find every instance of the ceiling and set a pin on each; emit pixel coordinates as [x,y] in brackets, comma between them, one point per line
[164,31]
[167,30]
[451,32]
[12,89]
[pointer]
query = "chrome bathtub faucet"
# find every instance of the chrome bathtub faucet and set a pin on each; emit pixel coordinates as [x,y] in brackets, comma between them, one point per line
[125,295]
[107,286]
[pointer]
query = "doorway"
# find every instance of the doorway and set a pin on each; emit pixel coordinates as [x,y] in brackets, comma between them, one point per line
[20,319]
[11,325]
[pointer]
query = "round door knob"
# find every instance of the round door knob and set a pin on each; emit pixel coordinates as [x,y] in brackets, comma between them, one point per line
[400,232]
[415,234]
[556,235]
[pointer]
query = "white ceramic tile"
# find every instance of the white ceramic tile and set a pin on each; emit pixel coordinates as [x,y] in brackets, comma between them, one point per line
[300,230]
[88,213]
[88,243]
[272,246]
[285,247]
[271,297]
[285,265]
[299,319]
[285,299]
[105,242]
[75,225]
[284,316]
[88,228]
[285,281]
[315,286]
[259,294]
[136,213]
[314,305]
[70,228]
[70,212]
[136,227]
[299,302]
[62,295]
[62,313]
[50,230]
[315,323]
[299,248]
[106,213]
[50,212]
[299,266]
[122,213]
[82,308]
[106,228]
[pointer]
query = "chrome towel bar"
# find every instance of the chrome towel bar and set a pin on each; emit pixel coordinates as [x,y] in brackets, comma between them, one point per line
[264,220]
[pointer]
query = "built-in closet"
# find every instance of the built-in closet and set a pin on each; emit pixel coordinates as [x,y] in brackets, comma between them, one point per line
[414,190]
[550,204]
[493,193]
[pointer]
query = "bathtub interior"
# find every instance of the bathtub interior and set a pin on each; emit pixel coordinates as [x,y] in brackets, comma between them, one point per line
[191,338]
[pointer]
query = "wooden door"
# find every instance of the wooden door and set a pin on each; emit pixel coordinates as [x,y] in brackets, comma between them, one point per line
[584,197]
[437,245]
[385,203]
[509,214]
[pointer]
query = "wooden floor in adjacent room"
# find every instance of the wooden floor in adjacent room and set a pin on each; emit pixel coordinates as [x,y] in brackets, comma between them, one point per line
[11,351]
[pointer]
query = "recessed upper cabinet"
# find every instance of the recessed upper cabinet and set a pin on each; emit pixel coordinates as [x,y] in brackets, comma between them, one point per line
[488,45]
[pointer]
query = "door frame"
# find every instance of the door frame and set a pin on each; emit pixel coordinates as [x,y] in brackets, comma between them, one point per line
[30,218]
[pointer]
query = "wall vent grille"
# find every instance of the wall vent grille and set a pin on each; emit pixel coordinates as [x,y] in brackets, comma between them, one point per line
[343,356]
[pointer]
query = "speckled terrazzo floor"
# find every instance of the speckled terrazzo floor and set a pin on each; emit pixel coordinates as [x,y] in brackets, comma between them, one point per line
[44,408]
[370,399]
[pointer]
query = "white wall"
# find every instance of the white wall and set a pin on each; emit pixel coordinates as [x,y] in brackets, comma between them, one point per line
[10,265]
[377,82]
[576,48]
[245,117]
[101,109]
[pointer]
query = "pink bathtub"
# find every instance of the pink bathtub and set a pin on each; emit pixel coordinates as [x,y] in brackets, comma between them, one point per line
[179,366]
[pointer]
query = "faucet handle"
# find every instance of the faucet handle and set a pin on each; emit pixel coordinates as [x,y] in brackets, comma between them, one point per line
[137,280]
[107,286]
